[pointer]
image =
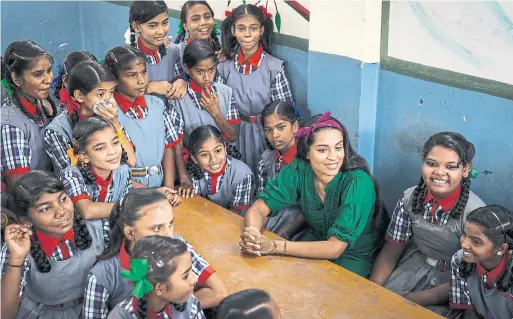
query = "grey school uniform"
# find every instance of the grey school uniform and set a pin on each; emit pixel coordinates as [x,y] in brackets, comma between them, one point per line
[61,124]
[148,136]
[415,272]
[252,93]
[165,69]
[233,175]
[490,303]
[63,284]
[10,114]
[194,116]
[125,310]
[286,215]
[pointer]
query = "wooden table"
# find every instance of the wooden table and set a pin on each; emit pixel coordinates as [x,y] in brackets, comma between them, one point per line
[302,288]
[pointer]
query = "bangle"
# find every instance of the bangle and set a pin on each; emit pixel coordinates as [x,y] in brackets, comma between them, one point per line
[14,266]
[285,248]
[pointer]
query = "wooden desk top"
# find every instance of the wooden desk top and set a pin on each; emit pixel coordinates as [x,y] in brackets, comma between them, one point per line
[302,288]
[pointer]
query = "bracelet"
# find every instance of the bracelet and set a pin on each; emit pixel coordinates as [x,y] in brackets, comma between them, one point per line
[285,249]
[14,266]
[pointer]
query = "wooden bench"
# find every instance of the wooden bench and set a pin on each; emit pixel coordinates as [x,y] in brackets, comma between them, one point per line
[302,288]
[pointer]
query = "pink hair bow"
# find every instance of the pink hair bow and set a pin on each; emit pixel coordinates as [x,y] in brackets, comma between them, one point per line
[321,122]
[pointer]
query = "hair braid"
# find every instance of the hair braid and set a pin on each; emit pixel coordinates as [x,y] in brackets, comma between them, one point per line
[194,170]
[86,172]
[501,285]
[142,306]
[132,37]
[418,197]
[459,208]
[83,238]
[42,262]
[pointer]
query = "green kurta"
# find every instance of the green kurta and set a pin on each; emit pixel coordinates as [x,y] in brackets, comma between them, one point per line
[347,212]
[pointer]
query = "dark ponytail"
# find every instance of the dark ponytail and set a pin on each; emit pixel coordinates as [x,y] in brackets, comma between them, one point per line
[26,192]
[229,42]
[466,152]
[126,213]
[497,222]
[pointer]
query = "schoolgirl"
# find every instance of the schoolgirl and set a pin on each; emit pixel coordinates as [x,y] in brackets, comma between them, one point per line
[429,218]
[26,111]
[143,212]
[256,77]
[146,118]
[150,20]
[196,23]
[482,274]
[249,304]
[280,123]
[45,259]
[222,179]
[90,86]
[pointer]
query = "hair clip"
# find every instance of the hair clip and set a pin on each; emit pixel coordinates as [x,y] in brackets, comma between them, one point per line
[113,57]
[160,263]
[473,173]
[101,61]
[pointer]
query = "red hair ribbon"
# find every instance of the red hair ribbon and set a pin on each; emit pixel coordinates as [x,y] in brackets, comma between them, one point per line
[186,154]
[321,122]
[226,137]
[265,12]
[70,103]
[228,13]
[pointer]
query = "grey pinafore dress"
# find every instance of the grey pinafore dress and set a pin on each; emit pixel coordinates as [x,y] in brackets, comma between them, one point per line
[234,174]
[10,114]
[64,283]
[120,312]
[62,125]
[194,117]
[148,136]
[287,215]
[252,92]
[438,242]
[165,69]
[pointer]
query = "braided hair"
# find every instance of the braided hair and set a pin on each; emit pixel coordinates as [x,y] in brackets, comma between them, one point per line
[196,140]
[82,133]
[229,42]
[26,192]
[142,12]
[159,251]
[466,153]
[246,304]
[18,58]
[497,222]
[70,61]
[216,45]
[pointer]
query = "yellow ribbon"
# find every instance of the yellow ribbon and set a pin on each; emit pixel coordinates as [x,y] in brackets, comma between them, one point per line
[72,156]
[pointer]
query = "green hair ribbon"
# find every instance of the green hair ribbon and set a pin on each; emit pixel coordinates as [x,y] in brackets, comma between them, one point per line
[8,87]
[473,173]
[180,28]
[137,274]
[101,61]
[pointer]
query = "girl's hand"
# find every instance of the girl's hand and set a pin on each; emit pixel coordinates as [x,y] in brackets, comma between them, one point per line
[167,41]
[160,88]
[220,57]
[107,110]
[210,102]
[180,89]
[17,239]
[171,195]
[186,189]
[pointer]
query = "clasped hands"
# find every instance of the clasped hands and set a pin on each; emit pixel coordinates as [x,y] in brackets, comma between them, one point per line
[254,243]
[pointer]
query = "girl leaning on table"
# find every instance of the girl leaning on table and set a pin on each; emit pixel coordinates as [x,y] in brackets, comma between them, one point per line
[336,194]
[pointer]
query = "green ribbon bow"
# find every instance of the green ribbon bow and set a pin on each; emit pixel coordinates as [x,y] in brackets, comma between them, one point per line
[215,30]
[101,61]
[473,173]
[137,274]
[8,87]
[180,27]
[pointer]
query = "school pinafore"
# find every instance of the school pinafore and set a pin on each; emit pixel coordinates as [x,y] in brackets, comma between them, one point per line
[194,117]
[125,310]
[165,69]
[490,303]
[61,124]
[233,175]
[64,284]
[422,265]
[11,114]
[148,136]
[286,215]
[252,92]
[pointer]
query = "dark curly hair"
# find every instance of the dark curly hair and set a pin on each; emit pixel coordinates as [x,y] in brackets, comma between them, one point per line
[26,192]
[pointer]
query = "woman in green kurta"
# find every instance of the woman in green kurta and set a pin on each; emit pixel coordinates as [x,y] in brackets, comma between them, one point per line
[337,196]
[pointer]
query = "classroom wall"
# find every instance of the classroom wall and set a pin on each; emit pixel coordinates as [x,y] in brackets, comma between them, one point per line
[389,116]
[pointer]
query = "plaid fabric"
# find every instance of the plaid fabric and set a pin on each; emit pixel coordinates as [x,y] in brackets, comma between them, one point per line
[132,112]
[242,67]
[280,87]
[233,112]
[200,267]
[172,122]
[16,153]
[459,295]
[127,306]
[208,178]
[56,146]
[399,230]
[96,299]
[57,256]
[242,194]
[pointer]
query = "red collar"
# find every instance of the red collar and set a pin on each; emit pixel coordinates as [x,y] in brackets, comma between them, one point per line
[253,60]
[102,182]
[124,256]
[126,104]
[447,202]
[493,275]
[49,244]
[196,87]
[31,108]
[154,53]
[287,157]
[151,314]
[215,178]
[189,40]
